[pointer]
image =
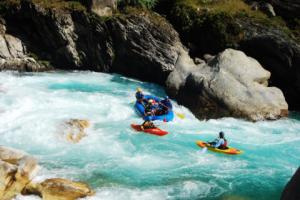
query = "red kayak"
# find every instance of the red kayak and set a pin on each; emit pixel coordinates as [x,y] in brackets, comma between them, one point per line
[154,131]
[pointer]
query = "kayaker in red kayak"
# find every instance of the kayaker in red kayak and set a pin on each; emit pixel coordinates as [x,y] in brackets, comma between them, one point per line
[149,111]
[220,142]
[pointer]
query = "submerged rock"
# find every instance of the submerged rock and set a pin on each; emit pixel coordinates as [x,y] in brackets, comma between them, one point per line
[16,170]
[231,84]
[59,189]
[75,129]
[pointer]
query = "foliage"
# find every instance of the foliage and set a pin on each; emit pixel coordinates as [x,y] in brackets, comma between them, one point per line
[209,26]
[140,3]
[60,4]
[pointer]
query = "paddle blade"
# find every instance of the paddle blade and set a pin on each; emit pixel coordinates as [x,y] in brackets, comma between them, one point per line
[180,115]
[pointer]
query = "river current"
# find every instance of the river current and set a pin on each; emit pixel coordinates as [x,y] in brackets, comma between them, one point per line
[119,163]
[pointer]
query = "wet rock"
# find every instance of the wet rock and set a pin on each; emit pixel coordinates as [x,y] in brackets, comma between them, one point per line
[75,129]
[291,190]
[16,170]
[59,189]
[232,84]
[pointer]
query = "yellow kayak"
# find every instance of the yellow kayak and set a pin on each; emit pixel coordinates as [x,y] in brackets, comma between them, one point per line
[229,150]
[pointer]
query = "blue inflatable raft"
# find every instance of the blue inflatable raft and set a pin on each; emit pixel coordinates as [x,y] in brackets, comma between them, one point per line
[140,108]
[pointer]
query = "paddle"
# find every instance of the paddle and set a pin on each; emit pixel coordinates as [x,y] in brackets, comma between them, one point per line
[180,115]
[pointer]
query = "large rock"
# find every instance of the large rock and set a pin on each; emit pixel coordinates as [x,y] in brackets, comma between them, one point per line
[16,171]
[291,190]
[146,46]
[13,55]
[278,54]
[59,189]
[232,84]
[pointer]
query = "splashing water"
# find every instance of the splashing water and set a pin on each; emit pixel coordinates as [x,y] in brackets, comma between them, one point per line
[120,163]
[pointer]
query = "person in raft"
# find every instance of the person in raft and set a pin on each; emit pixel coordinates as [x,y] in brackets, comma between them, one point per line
[164,106]
[139,95]
[220,142]
[149,111]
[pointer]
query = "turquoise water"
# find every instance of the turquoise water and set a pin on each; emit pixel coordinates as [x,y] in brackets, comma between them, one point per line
[120,163]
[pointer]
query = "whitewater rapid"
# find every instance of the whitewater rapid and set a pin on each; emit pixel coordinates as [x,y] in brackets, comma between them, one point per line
[119,163]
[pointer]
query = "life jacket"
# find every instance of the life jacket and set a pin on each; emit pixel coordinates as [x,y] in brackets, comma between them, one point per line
[148,108]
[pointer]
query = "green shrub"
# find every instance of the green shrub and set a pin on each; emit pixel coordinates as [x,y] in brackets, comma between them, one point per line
[140,3]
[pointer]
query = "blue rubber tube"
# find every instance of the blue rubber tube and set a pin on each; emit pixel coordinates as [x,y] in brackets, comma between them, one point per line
[140,108]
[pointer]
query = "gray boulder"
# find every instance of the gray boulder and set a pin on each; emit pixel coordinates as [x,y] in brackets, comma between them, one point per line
[13,55]
[278,54]
[232,84]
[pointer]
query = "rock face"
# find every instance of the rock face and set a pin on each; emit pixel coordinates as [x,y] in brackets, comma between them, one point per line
[16,171]
[68,40]
[232,84]
[59,189]
[146,47]
[144,42]
[291,191]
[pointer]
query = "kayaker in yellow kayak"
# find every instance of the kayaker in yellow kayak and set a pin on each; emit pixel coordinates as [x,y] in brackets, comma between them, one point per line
[220,142]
